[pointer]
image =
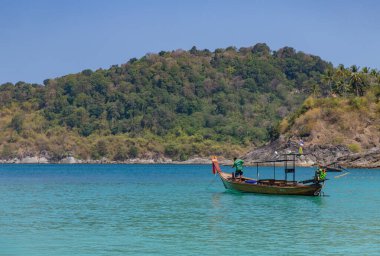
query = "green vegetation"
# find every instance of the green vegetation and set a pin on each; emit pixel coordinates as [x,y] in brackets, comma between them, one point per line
[176,104]
[339,85]
[355,148]
[347,81]
[345,112]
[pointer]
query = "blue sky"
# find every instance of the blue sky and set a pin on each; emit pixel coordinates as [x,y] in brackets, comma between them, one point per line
[43,39]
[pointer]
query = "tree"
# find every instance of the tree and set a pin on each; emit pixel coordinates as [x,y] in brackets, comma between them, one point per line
[46,82]
[193,50]
[261,49]
[133,151]
[101,148]
[87,72]
[121,153]
[357,84]
[365,70]
[328,78]
[315,89]
[354,68]
[17,123]
[373,73]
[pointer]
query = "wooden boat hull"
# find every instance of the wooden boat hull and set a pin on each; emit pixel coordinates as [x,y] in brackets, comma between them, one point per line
[261,188]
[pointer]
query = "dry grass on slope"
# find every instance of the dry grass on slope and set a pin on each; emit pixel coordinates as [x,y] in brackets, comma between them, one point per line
[353,122]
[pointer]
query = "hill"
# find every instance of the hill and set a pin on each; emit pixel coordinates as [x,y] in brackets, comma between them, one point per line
[176,104]
[342,126]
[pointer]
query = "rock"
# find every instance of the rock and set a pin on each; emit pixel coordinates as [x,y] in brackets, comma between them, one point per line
[316,154]
[29,160]
[68,160]
[367,159]
[163,160]
[43,160]
[195,160]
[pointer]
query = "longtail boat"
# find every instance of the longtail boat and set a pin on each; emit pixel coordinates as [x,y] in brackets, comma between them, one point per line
[312,187]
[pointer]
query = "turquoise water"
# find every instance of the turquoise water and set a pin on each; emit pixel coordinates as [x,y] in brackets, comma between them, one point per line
[179,210]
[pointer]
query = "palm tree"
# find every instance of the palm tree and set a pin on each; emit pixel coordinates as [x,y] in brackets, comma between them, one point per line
[341,67]
[341,87]
[328,78]
[354,68]
[341,79]
[342,73]
[365,70]
[314,89]
[373,73]
[356,82]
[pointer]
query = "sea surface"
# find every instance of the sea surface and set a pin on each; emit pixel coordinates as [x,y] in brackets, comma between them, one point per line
[180,210]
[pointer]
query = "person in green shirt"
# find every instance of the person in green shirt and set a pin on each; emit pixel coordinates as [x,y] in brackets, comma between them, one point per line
[320,174]
[238,164]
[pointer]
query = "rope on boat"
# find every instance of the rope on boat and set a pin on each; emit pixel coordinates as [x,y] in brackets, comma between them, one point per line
[320,192]
[339,176]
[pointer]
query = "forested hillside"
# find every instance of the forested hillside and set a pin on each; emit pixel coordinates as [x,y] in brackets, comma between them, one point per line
[175,104]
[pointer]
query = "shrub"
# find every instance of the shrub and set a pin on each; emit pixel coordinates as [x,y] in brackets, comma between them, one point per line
[357,102]
[121,154]
[284,125]
[101,148]
[273,132]
[183,156]
[17,123]
[309,103]
[133,151]
[171,150]
[305,130]
[355,148]
[331,102]
[338,140]
[8,152]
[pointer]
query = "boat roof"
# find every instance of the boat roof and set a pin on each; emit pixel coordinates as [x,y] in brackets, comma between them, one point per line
[272,161]
[280,160]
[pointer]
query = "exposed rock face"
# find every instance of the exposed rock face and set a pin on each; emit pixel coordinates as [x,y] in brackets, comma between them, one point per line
[313,155]
[68,160]
[29,160]
[316,154]
[33,160]
[195,160]
[369,159]
[43,160]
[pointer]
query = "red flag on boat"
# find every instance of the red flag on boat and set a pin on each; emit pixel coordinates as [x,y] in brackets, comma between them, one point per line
[215,165]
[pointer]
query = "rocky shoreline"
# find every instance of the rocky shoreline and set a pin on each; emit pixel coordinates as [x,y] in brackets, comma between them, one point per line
[313,155]
[73,160]
[317,154]
[370,159]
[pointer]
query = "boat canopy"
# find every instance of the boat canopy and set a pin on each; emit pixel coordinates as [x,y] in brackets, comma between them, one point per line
[289,165]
